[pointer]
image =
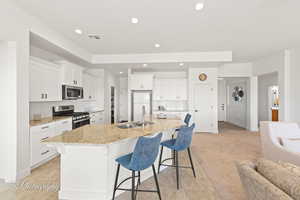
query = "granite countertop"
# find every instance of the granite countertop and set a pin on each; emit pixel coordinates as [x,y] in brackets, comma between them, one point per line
[46,120]
[109,133]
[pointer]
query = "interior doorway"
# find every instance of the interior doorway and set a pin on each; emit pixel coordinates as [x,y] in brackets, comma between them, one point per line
[112,105]
[268,97]
[233,106]
[273,99]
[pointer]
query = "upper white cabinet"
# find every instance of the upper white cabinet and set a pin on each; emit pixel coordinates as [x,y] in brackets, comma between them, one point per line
[45,81]
[71,74]
[141,82]
[170,89]
[89,84]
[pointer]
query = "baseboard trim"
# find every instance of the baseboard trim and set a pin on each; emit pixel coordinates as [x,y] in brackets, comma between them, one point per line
[23,173]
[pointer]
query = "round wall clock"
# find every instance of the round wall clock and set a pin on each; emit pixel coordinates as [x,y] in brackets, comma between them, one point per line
[202,77]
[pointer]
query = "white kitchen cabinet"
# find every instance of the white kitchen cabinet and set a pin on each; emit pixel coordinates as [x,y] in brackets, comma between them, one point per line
[97,117]
[40,152]
[71,74]
[170,89]
[45,81]
[180,89]
[63,126]
[89,84]
[141,82]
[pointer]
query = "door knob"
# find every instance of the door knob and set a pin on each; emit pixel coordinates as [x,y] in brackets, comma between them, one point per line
[196,110]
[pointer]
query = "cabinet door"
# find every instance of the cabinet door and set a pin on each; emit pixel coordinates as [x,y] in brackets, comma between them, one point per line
[86,83]
[77,76]
[52,84]
[39,150]
[62,126]
[36,83]
[68,75]
[165,90]
[99,92]
[156,89]
[141,82]
[180,89]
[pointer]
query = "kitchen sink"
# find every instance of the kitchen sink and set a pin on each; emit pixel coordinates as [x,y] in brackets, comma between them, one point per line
[125,126]
[134,124]
[143,123]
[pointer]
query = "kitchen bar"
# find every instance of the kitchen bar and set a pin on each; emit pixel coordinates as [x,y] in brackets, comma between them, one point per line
[88,156]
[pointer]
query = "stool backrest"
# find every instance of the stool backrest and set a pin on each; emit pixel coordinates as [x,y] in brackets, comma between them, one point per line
[187,119]
[184,137]
[145,152]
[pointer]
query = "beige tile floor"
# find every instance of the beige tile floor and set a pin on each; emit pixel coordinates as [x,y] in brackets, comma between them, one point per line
[214,158]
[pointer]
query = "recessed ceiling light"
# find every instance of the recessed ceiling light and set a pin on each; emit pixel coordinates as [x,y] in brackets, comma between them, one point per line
[199,6]
[78,31]
[121,72]
[157,45]
[181,64]
[134,20]
[145,65]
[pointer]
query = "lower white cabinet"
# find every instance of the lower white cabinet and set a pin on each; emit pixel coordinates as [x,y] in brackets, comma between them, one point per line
[39,151]
[97,118]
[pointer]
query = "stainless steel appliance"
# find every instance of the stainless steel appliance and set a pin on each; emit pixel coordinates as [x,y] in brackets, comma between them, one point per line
[72,92]
[79,118]
[141,105]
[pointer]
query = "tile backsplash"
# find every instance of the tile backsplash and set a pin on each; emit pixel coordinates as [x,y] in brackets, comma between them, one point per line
[45,108]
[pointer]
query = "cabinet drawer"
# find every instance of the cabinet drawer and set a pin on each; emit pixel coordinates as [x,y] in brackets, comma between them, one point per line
[45,152]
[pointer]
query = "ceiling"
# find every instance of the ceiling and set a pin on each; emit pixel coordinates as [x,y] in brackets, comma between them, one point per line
[44,49]
[249,28]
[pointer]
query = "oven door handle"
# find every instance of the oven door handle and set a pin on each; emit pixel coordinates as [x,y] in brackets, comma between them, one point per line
[81,120]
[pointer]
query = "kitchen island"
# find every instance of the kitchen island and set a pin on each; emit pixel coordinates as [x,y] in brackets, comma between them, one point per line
[87,168]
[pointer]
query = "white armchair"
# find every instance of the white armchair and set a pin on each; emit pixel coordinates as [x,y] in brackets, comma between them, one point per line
[272,149]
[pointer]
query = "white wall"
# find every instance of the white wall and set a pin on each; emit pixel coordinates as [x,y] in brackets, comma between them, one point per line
[238,113]
[235,70]
[294,85]
[212,73]
[8,106]
[271,64]
[15,26]
[264,82]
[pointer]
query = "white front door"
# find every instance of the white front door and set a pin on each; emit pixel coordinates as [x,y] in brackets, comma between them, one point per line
[203,108]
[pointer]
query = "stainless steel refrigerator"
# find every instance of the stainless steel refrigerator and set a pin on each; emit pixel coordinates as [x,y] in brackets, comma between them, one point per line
[140,99]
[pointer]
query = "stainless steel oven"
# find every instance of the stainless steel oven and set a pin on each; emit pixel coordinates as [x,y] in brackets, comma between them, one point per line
[72,92]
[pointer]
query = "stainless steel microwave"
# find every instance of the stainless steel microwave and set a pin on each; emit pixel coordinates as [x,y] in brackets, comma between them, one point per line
[72,92]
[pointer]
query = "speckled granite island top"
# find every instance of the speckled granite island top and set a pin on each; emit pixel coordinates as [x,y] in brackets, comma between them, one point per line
[109,133]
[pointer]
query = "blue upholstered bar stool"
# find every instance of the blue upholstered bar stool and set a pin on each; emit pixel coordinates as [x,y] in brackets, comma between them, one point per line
[181,143]
[143,156]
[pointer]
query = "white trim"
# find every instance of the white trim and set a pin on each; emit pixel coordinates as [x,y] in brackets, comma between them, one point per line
[23,173]
[287,71]
[213,56]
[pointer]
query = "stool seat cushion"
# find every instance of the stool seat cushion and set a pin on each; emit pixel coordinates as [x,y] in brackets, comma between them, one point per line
[169,143]
[125,160]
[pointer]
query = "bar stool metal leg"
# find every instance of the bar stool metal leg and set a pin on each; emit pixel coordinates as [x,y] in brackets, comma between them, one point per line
[190,156]
[156,182]
[133,186]
[116,181]
[139,175]
[177,169]
[160,157]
